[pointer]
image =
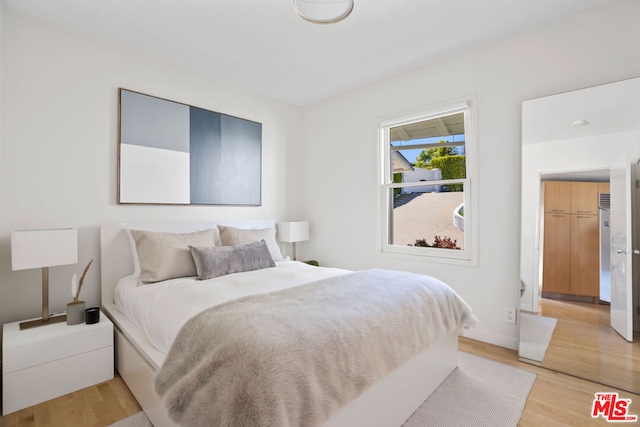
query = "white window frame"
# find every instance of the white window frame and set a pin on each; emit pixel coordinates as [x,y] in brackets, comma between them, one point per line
[469,254]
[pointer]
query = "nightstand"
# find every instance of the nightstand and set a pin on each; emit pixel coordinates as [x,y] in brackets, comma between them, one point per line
[42,363]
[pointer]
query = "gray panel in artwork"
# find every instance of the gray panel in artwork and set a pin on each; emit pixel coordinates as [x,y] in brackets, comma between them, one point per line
[225,158]
[207,177]
[242,156]
[153,122]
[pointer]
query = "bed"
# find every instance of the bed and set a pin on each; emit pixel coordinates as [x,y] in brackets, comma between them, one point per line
[388,402]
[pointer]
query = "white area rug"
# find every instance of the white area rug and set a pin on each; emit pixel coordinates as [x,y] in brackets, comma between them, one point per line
[137,420]
[535,335]
[480,392]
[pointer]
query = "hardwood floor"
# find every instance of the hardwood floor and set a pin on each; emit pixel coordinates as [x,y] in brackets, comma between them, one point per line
[97,406]
[555,399]
[585,345]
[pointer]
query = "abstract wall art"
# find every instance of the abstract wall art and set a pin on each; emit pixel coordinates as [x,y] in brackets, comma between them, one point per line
[173,153]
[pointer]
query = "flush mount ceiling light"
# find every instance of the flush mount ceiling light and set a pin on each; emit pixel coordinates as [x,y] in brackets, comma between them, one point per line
[323,11]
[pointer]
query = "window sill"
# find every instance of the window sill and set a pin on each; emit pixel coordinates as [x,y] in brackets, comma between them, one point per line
[414,256]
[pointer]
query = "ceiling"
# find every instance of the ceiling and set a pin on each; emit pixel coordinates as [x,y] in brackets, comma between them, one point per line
[606,110]
[264,46]
[599,110]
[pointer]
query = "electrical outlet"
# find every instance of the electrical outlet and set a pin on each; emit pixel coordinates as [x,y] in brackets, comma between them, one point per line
[510,315]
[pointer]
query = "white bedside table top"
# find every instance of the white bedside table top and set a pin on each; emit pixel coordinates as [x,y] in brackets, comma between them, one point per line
[14,337]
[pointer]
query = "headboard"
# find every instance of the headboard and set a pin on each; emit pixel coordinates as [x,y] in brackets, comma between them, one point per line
[115,249]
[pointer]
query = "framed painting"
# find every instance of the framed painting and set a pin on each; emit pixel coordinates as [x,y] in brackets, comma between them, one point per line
[171,153]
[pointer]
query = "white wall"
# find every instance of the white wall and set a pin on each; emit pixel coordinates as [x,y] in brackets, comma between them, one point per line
[59,146]
[59,134]
[341,201]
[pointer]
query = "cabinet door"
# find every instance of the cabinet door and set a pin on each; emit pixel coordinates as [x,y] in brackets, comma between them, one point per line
[603,187]
[585,255]
[584,198]
[557,253]
[557,196]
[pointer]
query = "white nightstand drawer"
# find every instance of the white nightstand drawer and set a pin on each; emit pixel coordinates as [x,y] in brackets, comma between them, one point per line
[31,386]
[49,361]
[31,347]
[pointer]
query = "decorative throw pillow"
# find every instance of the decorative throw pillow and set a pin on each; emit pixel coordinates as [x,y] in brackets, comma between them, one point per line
[134,252]
[164,256]
[237,236]
[217,261]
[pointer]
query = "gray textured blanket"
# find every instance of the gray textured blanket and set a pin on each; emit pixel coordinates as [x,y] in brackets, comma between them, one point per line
[294,357]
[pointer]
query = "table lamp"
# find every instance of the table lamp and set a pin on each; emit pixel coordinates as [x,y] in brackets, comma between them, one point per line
[293,232]
[43,249]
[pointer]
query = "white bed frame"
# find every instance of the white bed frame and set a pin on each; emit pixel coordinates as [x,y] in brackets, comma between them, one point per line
[389,403]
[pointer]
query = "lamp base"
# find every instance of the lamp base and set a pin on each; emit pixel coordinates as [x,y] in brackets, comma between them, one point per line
[43,322]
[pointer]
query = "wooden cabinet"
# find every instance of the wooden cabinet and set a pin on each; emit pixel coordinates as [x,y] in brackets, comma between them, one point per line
[571,261]
[557,252]
[557,196]
[603,187]
[584,198]
[585,256]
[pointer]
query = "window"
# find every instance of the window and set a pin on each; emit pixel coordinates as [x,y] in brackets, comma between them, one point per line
[426,184]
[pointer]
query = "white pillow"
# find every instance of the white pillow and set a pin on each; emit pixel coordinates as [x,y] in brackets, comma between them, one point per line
[164,256]
[134,251]
[231,236]
[134,254]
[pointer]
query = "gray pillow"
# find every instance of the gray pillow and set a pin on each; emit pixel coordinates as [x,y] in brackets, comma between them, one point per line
[166,256]
[217,261]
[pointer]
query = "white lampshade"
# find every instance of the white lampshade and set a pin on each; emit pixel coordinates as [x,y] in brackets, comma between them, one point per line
[323,11]
[293,231]
[43,248]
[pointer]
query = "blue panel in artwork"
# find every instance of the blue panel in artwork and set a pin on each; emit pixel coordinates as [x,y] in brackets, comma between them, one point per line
[207,175]
[225,156]
[241,149]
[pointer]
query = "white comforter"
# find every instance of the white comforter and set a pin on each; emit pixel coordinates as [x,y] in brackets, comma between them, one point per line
[161,309]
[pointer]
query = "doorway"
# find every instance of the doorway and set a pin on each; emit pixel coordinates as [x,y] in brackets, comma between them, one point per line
[574,237]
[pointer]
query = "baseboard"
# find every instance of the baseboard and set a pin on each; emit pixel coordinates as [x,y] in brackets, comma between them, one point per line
[568,297]
[491,338]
